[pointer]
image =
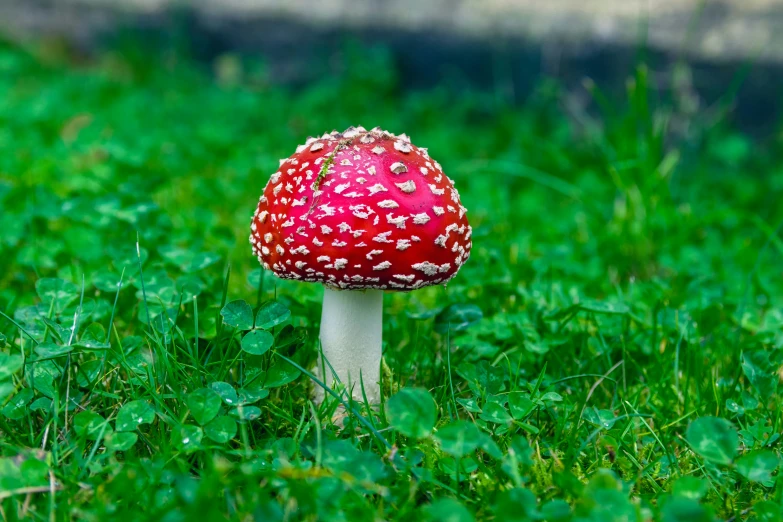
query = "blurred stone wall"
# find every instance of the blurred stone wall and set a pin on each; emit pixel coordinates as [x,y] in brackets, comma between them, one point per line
[505,46]
[711,29]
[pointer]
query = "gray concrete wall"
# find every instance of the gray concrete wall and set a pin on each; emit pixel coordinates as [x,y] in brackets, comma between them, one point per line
[503,45]
[711,29]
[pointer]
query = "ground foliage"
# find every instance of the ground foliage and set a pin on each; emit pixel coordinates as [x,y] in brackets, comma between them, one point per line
[610,352]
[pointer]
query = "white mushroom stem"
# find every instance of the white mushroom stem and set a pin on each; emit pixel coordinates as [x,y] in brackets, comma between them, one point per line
[351,330]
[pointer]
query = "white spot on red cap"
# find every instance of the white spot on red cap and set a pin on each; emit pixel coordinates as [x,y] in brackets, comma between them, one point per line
[388,203]
[399,221]
[361,211]
[383,237]
[421,219]
[377,188]
[382,266]
[428,268]
[327,210]
[408,187]
[404,147]
[398,167]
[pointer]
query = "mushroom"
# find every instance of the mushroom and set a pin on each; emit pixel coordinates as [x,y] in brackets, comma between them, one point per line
[360,212]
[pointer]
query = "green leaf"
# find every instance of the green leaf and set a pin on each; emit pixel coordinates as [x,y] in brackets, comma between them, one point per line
[457,317]
[495,413]
[93,338]
[238,314]
[41,404]
[16,407]
[108,281]
[9,365]
[758,369]
[134,414]
[713,438]
[604,307]
[734,407]
[187,438]
[459,438]
[602,418]
[271,315]
[204,405]
[556,511]
[33,472]
[516,505]
[56,292]
[758,466]
[201,261]
[518,459]
[246,413]
[51,351]
[490,447]
[257,342]
[278,375]
[91,425]
[222,429]
[767,511]
[455,468]
[250,395]
[412,412]
[691,487]
[683,509]
[121,441]
[520,404]
[226,392]
[483,375]
[6,389]
[88,373]
[448,510]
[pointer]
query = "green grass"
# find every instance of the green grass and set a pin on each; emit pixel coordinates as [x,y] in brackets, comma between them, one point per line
[610,351]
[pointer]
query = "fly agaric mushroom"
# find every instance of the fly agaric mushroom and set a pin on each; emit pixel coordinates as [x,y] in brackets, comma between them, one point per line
[361,212]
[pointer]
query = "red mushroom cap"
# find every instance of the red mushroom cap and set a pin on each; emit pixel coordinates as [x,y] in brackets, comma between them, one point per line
[361,209]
